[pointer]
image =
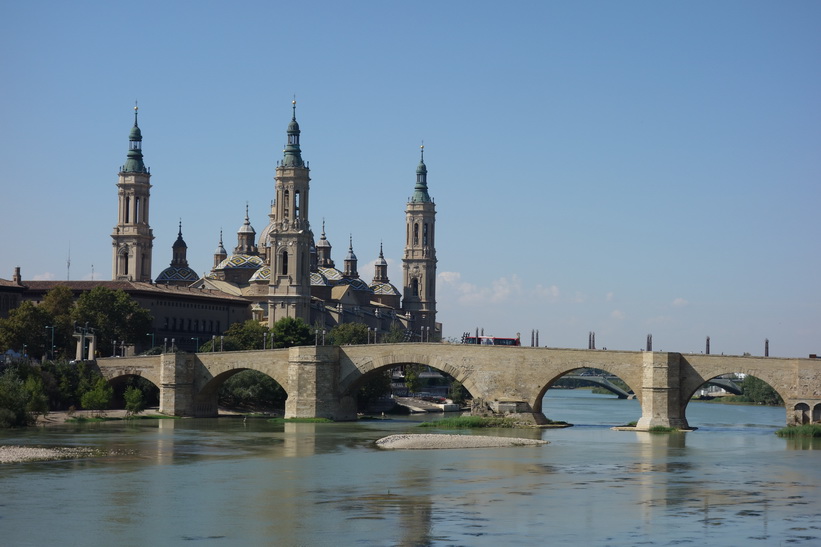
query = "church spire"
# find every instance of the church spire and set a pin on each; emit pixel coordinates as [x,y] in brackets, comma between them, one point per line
[245,237]
[350,261]
[380,274]
[420,191]
[179,250]
[220,254]
[292,153]
[134,162]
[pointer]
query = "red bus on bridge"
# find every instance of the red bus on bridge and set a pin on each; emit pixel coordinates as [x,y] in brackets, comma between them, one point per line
[491,341]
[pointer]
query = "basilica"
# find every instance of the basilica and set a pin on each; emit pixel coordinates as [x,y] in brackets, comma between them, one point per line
[284,271]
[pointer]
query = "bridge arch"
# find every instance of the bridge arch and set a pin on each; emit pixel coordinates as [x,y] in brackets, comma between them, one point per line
[362,369]
[538,403]
[208,395]
[214,369]
[151,391]
[114,369]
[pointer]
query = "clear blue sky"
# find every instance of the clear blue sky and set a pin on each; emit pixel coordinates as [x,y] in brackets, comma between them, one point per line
[619,167]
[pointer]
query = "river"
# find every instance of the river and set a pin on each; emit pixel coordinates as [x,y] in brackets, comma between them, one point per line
[227,482]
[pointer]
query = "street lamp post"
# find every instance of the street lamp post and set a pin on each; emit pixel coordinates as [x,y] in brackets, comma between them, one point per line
[196,340]
[151,334]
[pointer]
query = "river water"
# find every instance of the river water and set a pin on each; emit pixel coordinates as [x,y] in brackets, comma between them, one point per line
[227,482]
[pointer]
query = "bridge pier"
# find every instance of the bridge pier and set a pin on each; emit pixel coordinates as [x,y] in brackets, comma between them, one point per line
[661,393]
[177,384]
[518,410]
[313,380]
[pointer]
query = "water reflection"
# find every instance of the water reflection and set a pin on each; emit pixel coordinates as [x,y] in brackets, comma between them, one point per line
[263,483]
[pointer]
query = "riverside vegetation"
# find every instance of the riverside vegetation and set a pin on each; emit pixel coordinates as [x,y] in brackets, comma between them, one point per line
[29,389]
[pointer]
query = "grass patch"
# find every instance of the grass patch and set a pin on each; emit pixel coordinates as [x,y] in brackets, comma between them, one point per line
[806,430]
[301,420]
[83,419]
[470,422]
[662,429]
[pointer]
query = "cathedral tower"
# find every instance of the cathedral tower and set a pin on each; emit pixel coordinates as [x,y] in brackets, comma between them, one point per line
[290,238]
[419,261]
[133,238]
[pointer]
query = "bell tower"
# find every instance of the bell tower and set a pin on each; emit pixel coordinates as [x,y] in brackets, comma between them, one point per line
[133,239]
[419,261]
[290,238]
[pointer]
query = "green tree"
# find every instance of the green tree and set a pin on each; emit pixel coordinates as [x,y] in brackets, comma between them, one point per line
[756,390]
[242,336]
[458,393]
[289,332]
[348,333]
[114,315]
[134,401]
[13,400]
[25,328]
[59,303]
[251,389]
[375,387]
[412,380]
[394,336]
[37,401]
[99,398]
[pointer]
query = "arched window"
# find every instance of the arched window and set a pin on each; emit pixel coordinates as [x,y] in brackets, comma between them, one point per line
[425,234]
[124,262]
[415,287]
[284,263]
[286,202]
[127,211]
[296,204]
[416,233]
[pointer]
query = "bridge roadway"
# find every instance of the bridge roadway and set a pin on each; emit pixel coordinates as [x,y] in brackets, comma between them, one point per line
[322,381]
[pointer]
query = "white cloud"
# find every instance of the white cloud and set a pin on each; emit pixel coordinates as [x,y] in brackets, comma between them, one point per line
[48,276]
[617,314]
[449,278]
[609,297]
[680,302]
[550,293]
[499,291]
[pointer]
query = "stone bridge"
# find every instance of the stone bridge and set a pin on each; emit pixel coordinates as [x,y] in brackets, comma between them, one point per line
[322,381]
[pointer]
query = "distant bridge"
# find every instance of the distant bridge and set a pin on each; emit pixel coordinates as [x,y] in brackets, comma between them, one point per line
[605,381]
[322,381]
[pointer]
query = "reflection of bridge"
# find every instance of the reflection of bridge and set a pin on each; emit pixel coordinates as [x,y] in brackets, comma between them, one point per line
[323,381]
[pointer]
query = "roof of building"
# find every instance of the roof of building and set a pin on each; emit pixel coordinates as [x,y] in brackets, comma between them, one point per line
[9,284]
[385,289]
[174,273]
[238,261]
[262,274]
[134,287]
